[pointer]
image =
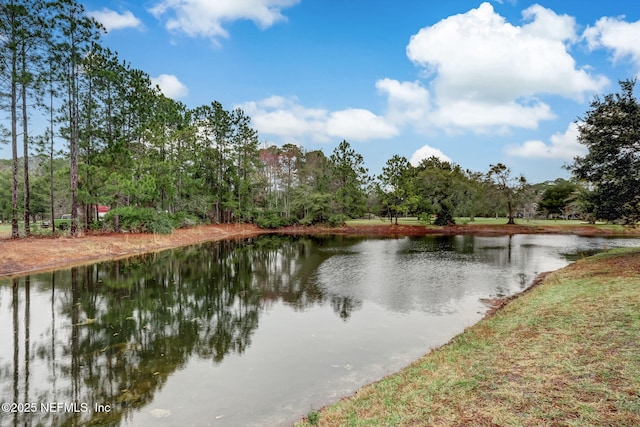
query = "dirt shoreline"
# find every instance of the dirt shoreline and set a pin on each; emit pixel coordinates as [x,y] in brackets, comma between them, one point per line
[38,254]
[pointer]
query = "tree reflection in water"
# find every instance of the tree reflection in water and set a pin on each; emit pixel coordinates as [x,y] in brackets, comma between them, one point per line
[112,333]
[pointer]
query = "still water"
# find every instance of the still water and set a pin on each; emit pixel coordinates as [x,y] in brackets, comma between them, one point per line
[251,332]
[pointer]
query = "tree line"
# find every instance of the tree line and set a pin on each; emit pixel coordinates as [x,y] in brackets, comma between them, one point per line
[152,160]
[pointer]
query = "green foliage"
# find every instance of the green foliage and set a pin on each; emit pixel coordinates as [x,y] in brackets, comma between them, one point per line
[557,197]
[5,194]
[96,225]
[425,218]
[442,187]
[269,220]
[510,189]
[398,186]
[184,220]
[139,220]
[611,131]
[313,417]
[306,221]
[272,219]
[337,220]
[349,177]
[444,217]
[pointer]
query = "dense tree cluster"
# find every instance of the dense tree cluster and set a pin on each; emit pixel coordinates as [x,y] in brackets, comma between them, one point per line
[144,155]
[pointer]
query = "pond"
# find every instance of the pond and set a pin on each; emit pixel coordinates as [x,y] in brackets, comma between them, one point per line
[249,332]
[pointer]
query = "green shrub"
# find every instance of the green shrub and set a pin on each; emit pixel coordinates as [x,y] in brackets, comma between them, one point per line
[184,220]
[307,220]
[313,417]
[269,219]
[337,220]
[425,218]
[96,225]
[139,220]
[445,217]
[272,219]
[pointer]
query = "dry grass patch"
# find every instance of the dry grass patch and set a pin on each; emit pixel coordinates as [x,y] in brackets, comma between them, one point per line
[23,256]
[566,353]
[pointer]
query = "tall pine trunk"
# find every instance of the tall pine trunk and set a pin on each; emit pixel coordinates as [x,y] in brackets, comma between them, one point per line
[73,142]
[15,233]
[51,151]
[25,143]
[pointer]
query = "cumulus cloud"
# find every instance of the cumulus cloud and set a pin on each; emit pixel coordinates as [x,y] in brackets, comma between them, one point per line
[206,18]
[112,20]
[488,73]
[617,35]
[170,86]
[359,125]
[545,23]
[487,118]
[562,146]
[426,152]
[408,102]
[286,118]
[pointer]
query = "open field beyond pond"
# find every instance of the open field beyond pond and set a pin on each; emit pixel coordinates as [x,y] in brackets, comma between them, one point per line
[565,353]
[490,221]
[44,252]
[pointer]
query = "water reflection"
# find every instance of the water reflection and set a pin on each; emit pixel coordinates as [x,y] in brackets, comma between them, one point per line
[115,334]
[118,330]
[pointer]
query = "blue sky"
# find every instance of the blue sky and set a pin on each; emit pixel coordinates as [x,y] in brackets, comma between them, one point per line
[470,81]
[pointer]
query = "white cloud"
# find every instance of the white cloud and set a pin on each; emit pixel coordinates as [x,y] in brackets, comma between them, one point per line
[112,20]
[206,18]
[486,73]
[545,23]
[562,146]
[359,125]
[426,152]
[408,102]
[286,118]
[170,86]
[617,35]
[490,117]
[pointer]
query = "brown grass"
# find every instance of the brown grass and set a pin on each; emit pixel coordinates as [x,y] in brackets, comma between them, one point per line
[24,256]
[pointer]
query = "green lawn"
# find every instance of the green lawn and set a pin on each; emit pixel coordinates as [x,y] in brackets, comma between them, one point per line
[467,221]
[5,229]
[566,353]
[489,221]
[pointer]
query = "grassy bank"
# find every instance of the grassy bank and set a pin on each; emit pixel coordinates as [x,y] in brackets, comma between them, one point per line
[467,220]
[478,221]
[565,353]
